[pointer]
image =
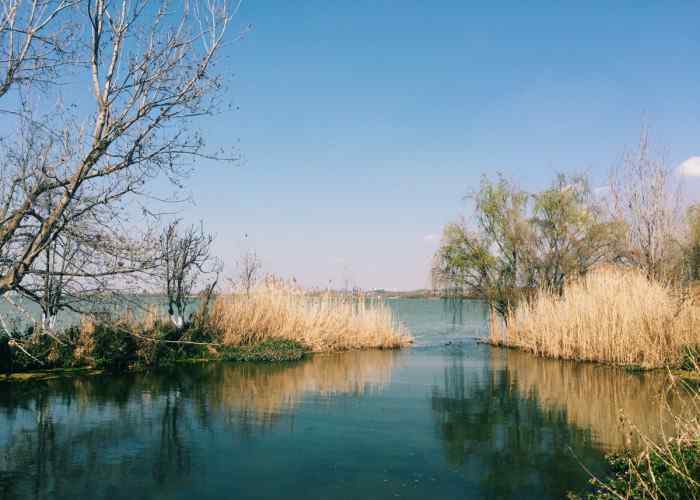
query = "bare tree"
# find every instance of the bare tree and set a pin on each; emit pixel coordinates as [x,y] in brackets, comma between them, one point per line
[85,269]
[34,40]
[248,272]
[187,260]
[646,196]
[150,72]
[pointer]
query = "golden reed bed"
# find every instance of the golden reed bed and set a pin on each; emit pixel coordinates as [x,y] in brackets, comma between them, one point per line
[612,315]
[324,323]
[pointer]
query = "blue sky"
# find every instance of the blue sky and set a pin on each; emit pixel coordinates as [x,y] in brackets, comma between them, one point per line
[362,125]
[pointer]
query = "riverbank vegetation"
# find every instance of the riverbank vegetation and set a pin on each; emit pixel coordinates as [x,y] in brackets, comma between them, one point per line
[576,273]
[324,322]
[605,275]
[612,315]
[83,230]
[272,322]
[666,468]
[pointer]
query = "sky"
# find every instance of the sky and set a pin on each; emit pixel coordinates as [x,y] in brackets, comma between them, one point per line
[362,125]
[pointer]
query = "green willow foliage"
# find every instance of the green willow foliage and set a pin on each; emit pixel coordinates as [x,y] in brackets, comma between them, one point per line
[519,241]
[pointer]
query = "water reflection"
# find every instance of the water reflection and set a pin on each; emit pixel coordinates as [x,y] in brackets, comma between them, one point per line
[435,422]
[62,437]
[594,396]
[520,447]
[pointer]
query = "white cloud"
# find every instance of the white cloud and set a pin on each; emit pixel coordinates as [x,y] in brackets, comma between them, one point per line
[690,167]
[431,237]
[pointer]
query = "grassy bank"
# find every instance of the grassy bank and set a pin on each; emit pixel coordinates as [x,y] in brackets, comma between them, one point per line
[612,316]
[273,323]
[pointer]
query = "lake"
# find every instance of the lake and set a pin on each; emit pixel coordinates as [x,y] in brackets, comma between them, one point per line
[447,418]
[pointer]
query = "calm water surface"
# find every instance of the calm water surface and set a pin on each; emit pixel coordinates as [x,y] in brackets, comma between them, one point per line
[435,421]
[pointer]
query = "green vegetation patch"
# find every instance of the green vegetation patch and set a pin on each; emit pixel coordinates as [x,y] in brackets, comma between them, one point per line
[673,475]
[268,351]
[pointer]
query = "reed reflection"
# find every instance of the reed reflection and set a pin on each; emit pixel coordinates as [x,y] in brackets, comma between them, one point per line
[488,423]
[58,437]
[596,397]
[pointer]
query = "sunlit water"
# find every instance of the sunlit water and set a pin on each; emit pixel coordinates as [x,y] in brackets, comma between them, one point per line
[448,418]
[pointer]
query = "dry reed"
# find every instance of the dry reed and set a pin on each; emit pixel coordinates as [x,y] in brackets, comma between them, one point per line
[322,322]
[612,315]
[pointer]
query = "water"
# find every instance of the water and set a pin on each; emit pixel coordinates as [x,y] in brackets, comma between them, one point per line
[435,421]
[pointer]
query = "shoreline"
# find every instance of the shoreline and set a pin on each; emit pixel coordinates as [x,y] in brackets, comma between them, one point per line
[687,375]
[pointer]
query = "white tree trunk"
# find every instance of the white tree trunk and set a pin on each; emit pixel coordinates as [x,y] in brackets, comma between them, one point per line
[48,323]
[177,320]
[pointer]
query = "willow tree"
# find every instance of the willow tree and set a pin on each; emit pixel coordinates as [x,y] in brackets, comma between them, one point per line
[571,233]
[517,242]
[488,259]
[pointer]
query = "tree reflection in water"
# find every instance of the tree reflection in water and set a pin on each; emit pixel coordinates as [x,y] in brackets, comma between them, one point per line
[494,423]
[487,423]
[77,434]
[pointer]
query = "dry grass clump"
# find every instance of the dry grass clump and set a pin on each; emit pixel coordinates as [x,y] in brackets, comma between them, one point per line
[325,322]
[611,315]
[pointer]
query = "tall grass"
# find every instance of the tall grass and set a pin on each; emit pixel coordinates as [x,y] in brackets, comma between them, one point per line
[612,315]
[322,322]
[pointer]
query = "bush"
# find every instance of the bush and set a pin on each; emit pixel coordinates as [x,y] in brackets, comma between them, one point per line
[151,353]
[672,474]
[113,348]
[269,350]
[53,352]
[128,344]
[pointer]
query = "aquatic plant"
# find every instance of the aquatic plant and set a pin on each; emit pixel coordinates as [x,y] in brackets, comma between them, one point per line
[322,322]
[612,315]
[268,350]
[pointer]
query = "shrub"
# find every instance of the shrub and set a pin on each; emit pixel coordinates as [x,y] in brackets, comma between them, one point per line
[152,353]
[50,351]
[268,350]
[668,469]
[672,476]
[113,348]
